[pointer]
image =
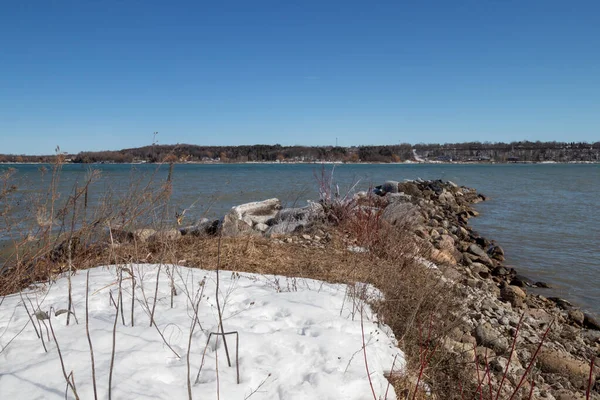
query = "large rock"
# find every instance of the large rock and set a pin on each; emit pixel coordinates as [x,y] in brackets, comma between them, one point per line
[390,187]
[513,295]
[486,336]
[482,255]
[204,227]
[557,362]
[241,219]
[590,322]
[410,188]
[446,198]
[143,234]
[291,220]
[446,243]
[400,213]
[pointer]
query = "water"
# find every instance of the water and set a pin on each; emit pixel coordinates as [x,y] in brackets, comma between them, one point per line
[544,216]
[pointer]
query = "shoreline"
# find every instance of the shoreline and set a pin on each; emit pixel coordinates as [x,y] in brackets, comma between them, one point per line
[326,163]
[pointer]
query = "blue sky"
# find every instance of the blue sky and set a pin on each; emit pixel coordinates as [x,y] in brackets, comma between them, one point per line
[93,75]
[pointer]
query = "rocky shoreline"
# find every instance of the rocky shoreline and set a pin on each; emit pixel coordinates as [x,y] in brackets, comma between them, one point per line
[497,304]
[496,298]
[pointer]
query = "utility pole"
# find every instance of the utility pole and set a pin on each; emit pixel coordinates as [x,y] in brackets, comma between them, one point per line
[154,145]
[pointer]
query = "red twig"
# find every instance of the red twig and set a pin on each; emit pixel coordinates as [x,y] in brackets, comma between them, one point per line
[512,350]
[532,361]
[531,389]
[479,380]
[589,387]
[390,378]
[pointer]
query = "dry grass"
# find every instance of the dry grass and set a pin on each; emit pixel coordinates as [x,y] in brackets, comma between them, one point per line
[416,298]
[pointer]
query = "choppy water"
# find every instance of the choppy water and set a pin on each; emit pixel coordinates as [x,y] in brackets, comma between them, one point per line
[544,216]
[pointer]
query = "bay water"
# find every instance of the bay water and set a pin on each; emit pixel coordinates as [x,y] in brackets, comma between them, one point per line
[545,216]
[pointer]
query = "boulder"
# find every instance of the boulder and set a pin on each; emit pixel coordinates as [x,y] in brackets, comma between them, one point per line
[590,322]
[558,362]
[480,270]
[521,281]
[486,336]
[410,188]
[478,251]
[446,243]
[143,234]
[241,219]
[446,198]
[390,187]
[513,295]
[399,213]
[289,220]
[204,227]
[576,316]
[442,257]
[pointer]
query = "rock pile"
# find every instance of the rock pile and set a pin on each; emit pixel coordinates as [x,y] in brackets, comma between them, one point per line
[496,296]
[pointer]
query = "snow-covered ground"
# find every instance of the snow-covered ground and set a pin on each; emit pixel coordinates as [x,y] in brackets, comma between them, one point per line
[298,339]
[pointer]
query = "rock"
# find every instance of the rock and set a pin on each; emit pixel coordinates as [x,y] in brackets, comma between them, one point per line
[291,220]
[500,271]
[401,213]
[521,281]
[261,227]
[165,236]
[62,250]
[496,252]
[478,251]
[442,257]
[543,285]
[539,316]
[205,227]
[390,187]
[446,243]
[591,336]
[410,188]
[241,219]
[557,362]
[234,226]
[480,270]
[484,353]
[401,197]
[446,198]
[513,294]
[590,322]
[561,303]
[466,351]
[576,316]
[285,228]
[142,235]
[486,336]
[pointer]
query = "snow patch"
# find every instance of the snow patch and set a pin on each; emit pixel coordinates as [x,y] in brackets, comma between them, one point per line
[298,338]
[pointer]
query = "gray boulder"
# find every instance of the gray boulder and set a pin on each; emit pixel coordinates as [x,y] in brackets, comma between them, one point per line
[390,187]
[398,213]
[291,220]
[482,255]
[486,336]
[241,219]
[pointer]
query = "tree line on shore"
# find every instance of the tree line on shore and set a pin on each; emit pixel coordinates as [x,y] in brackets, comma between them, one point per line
[523,151]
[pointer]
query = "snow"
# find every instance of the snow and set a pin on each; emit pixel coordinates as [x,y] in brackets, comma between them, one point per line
[298,338]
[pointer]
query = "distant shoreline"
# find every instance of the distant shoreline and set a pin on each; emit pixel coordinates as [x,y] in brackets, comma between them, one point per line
[321,162]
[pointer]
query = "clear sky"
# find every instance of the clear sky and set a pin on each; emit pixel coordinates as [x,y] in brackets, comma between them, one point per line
[93,75]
